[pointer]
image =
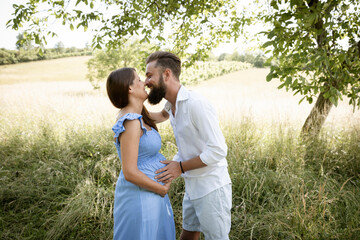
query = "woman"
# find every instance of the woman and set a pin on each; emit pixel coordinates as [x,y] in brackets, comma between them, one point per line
[142,209]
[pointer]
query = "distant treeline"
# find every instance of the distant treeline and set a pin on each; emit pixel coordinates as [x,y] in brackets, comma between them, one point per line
[22,55]
[256,60]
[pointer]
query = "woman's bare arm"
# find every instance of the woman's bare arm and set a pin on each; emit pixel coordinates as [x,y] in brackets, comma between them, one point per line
[129,142]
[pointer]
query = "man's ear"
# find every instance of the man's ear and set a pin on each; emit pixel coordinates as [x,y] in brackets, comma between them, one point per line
[167,73]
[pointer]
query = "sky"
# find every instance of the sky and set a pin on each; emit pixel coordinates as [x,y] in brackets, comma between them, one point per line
[78,38]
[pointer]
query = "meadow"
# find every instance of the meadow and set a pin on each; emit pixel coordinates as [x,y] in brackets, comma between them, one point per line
[59,166]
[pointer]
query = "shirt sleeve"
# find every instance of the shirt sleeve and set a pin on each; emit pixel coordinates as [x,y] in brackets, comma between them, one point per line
[204,118]
[177,157]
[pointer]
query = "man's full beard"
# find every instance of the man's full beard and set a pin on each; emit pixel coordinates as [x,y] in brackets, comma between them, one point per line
[157,93]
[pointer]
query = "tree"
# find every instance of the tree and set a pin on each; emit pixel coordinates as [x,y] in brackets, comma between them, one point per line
[130,54]
[59,46]
[305,38]
[235,56]
[22,42]
[222,56]
[259,61]
[303,35]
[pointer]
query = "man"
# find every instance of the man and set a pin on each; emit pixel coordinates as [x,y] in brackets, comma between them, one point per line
[201,150]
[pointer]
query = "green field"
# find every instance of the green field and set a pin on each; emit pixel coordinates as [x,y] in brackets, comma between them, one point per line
[59,166]
[63,69]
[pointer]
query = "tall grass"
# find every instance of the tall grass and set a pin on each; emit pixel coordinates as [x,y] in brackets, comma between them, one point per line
[286,190]
[58,182]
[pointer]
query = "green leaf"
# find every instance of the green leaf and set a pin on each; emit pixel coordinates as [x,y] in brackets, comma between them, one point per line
[269,43]
[269,77]
[37,39]
[344,8]
[281,86]
[271,34]
[160,38]
[72,27]
[288,81]
[333,100]
[310,99]
[136,6]
[274,4]
[302,99]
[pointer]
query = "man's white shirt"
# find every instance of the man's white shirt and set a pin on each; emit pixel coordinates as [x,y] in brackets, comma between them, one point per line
[197,132]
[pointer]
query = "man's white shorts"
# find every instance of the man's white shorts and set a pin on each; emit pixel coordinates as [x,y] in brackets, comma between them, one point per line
[210,214]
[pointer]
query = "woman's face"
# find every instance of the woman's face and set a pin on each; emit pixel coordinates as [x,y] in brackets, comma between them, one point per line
[138,88]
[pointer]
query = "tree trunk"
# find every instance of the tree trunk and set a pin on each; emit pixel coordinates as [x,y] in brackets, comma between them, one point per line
[317,117]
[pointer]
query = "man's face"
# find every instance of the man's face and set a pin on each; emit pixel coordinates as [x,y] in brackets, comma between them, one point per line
[155,81]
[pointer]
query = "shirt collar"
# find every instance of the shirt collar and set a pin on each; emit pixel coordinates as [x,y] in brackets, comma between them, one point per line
[183,94]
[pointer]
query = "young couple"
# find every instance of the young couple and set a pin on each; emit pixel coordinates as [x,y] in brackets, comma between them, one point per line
[142,209]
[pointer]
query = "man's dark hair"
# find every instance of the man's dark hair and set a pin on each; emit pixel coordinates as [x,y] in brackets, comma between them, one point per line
[166,60]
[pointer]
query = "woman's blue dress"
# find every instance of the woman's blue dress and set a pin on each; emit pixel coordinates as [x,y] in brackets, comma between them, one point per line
[139,213]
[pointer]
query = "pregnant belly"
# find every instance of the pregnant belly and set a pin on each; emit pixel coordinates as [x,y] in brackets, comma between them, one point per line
[146,165]
[151,164]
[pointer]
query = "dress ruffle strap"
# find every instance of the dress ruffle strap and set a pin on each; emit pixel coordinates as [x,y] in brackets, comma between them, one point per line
[118,128]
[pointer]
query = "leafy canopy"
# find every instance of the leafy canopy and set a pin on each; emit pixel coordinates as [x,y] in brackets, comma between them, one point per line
[195,25]
[316,45]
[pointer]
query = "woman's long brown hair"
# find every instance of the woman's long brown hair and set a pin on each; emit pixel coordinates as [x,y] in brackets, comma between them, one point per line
[117,86]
